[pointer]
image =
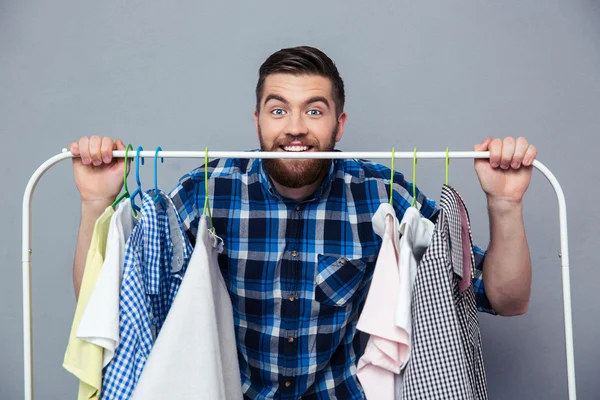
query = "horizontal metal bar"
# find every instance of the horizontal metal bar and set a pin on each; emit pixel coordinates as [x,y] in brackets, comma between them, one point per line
[302,155]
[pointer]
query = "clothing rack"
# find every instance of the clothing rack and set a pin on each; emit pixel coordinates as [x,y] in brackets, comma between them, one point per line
[27,249]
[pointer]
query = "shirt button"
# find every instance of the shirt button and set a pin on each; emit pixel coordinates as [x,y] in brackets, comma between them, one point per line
[294,253]
[298,208]
[290,340]
[288,384]
[292,297]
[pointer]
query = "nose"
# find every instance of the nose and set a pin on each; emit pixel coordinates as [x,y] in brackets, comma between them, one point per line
[296,125]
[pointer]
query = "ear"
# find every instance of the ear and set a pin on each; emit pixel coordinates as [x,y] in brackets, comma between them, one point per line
[341,125]
[256,124]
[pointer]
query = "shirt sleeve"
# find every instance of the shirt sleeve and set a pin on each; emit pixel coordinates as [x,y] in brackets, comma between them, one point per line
[483,303]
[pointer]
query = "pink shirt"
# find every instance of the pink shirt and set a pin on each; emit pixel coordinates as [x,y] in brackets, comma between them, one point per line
[386,313]
[467,249]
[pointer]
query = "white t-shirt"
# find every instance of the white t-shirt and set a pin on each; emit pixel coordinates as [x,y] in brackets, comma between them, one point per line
[195,355]
[100,321]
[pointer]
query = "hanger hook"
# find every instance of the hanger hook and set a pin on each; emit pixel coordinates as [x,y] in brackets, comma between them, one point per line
[447,165]
[138,190]
[162,160]
[206,202]
[137,165]
[126,191]
[129,147]
[414,182]
[392,175]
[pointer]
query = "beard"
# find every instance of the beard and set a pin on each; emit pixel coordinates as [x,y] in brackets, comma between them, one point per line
[297,173]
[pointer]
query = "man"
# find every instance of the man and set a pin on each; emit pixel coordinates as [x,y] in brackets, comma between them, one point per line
[299,245]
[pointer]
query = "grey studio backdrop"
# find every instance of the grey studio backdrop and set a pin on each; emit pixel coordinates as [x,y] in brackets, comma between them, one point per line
[427,74]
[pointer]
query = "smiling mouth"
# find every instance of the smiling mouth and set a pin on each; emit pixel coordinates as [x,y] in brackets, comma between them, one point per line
[296,149]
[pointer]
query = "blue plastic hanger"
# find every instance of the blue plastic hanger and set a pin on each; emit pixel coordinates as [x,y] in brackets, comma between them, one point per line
[392,175]
[157,197]
[138,191]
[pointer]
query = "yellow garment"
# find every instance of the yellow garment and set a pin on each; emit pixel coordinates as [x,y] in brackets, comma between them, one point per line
[83,359]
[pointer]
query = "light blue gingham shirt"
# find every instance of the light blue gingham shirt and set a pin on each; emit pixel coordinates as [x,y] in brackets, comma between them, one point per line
[156,256]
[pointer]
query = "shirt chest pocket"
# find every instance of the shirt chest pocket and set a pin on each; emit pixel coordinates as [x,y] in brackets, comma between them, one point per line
[339,278]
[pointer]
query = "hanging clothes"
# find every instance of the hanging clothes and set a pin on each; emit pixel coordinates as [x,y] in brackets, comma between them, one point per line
[446,355]
[379,370]
[83,359]
[100,321]
[467,262]
[195,356]
[156,255]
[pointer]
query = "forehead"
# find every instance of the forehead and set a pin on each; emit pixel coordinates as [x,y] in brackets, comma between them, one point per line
[297,88]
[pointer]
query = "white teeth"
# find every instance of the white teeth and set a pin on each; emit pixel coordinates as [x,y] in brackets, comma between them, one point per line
[295,148]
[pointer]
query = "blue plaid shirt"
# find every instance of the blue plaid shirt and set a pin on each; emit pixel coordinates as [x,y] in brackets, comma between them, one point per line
[298,272]
[155,259]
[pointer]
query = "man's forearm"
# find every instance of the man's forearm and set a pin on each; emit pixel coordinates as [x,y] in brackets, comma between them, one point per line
[90,212]
[507,266]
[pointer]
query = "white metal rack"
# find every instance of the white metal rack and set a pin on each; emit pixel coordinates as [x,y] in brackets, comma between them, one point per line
[27,248]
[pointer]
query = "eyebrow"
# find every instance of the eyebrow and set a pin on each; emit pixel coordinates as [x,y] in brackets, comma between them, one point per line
[276,97]
[315,99]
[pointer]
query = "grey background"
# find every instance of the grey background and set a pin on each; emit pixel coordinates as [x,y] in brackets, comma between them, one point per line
[181,74]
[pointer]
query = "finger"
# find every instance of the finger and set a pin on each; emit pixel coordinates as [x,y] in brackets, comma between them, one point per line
[120,145]
[520,149]
[96,150]
[74,149]
[508,150]
[483,146]
[106,149]
[495,149]
[530,155]
[84,149]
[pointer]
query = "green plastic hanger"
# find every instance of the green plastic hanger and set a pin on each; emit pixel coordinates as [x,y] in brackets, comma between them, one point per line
[206,204]
[447,165]
[125,194]
[414,180]
[392,175]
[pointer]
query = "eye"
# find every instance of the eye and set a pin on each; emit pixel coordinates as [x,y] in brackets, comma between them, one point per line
[278,111]
[314,112]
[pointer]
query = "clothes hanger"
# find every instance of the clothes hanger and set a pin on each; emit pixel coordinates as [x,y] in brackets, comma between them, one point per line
[206,203]
[447,165]
[157,197]
[126,192]
[392,175]
[217,241]
[137,191]
[414,180]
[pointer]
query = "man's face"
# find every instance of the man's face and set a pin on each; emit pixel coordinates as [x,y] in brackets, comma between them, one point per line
[297,113]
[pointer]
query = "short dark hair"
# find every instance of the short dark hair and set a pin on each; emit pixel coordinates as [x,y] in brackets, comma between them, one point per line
[299,61]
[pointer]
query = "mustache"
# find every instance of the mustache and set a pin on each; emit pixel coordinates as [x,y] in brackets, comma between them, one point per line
[289,139]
